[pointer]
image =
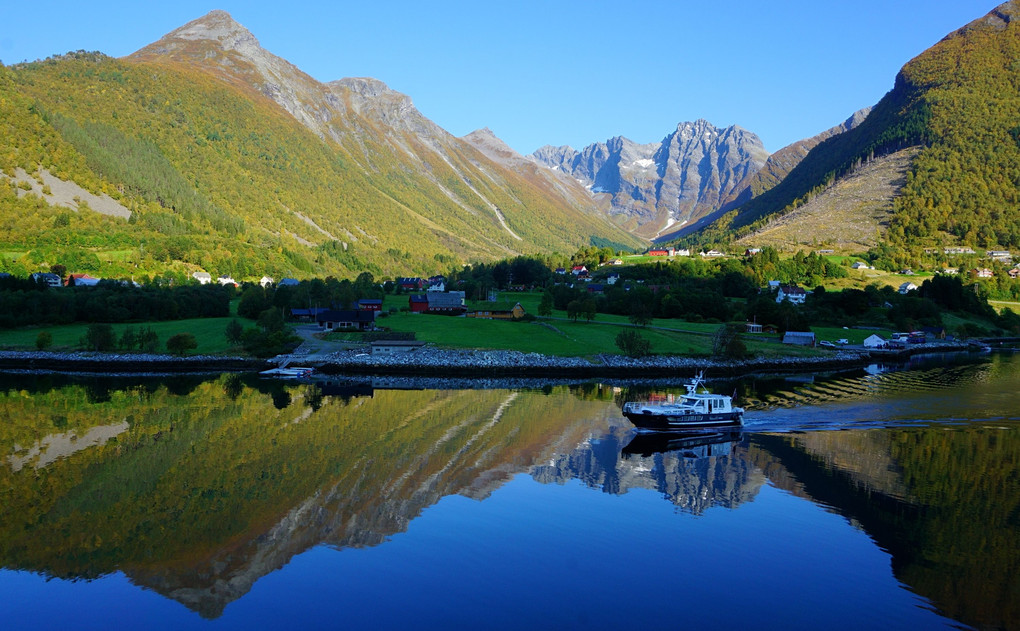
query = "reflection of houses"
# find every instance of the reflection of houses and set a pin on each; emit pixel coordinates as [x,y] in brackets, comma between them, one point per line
[356,320]
[498,311]
[799,338]
[394,347]
[792,293]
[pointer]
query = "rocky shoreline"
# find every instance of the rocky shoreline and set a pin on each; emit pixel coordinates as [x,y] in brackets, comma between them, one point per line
[433,362]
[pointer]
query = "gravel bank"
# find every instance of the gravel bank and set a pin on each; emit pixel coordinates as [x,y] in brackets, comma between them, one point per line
[126,363]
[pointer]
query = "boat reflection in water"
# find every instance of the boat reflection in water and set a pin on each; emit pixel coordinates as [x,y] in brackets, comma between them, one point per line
[690,443]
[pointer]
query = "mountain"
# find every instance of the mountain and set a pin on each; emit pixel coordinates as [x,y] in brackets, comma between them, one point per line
[958,105]
[226,158]
[693,171]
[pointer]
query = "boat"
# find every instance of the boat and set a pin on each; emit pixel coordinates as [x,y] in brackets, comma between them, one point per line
[293,372]
[697,408]
[690,443]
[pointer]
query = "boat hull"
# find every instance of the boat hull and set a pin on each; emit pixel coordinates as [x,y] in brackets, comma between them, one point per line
[673,422]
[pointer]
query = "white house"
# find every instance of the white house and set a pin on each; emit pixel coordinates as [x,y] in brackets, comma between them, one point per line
[860,265]
[906,288]
[612,278]
[226,280]
[794,294]
[204,278]
[266,281]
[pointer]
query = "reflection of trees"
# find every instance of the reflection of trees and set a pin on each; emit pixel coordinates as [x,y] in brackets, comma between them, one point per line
[694,479]
[200,496]
[944,503]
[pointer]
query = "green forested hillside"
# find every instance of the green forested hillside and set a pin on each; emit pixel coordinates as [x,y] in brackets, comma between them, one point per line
[220,178]
[960,102]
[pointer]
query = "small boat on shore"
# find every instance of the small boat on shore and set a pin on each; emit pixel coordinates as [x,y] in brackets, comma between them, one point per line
[697,408]
[293,372]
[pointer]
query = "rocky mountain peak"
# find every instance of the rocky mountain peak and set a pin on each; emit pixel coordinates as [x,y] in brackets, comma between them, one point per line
[216,27]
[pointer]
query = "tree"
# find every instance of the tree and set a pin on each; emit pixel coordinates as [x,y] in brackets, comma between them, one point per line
[181,343]
[128,339]
[271,320]
[589,308]
[234,331]
[545,307]
[633,344]
[727,342]
[44,340]
[574,309]
[99,337]
[148,340]
[640,314]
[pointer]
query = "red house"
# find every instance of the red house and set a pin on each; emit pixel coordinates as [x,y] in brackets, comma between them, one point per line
[419,303]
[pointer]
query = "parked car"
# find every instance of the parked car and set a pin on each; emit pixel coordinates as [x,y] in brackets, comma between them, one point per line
[827,344]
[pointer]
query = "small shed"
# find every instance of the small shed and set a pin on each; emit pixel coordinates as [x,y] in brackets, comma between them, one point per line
[394,347]
[799,338]
[498,311]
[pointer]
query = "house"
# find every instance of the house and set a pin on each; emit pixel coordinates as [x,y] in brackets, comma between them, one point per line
[579,270]
[682,252]
[774,285]
[937,332]
[307,315]
[906,288]
[226,280]
[498,311]
[394,347]
[662,252]
[874,341]
[560,270]
[612,278]
[752,327]
[370,304]
[359,320]
[751,251]
[411,284]
[796,295]
[446,303]
[799,338]
[616,262]
[50,280]
[1000,255]
[81,280]
[596,288]
[984,272]
[860,265]
[1014,273]
[266,281]
[711,254]
[958,251]
[288,282]
[949,271]
[419,303]
[438,285]
[203,278]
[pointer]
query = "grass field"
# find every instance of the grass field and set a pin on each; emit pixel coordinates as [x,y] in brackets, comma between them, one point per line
[208,332]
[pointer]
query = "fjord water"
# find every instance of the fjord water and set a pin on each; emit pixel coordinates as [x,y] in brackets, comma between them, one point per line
[871,499]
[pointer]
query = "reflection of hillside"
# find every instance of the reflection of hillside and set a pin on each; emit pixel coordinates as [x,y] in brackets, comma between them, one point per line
[204,494]
[692,475]
[943,503]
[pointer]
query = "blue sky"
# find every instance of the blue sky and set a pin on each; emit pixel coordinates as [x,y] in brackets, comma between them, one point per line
[558,72]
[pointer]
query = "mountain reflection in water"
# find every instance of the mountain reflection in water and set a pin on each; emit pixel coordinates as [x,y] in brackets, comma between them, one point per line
[198,487]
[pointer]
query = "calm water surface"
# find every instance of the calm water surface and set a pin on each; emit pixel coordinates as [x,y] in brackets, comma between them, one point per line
[871,499]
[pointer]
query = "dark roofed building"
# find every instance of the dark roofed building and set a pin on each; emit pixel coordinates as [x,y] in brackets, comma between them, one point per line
[360,320]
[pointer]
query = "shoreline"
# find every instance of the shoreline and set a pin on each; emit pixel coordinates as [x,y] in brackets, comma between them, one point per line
[432,362]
